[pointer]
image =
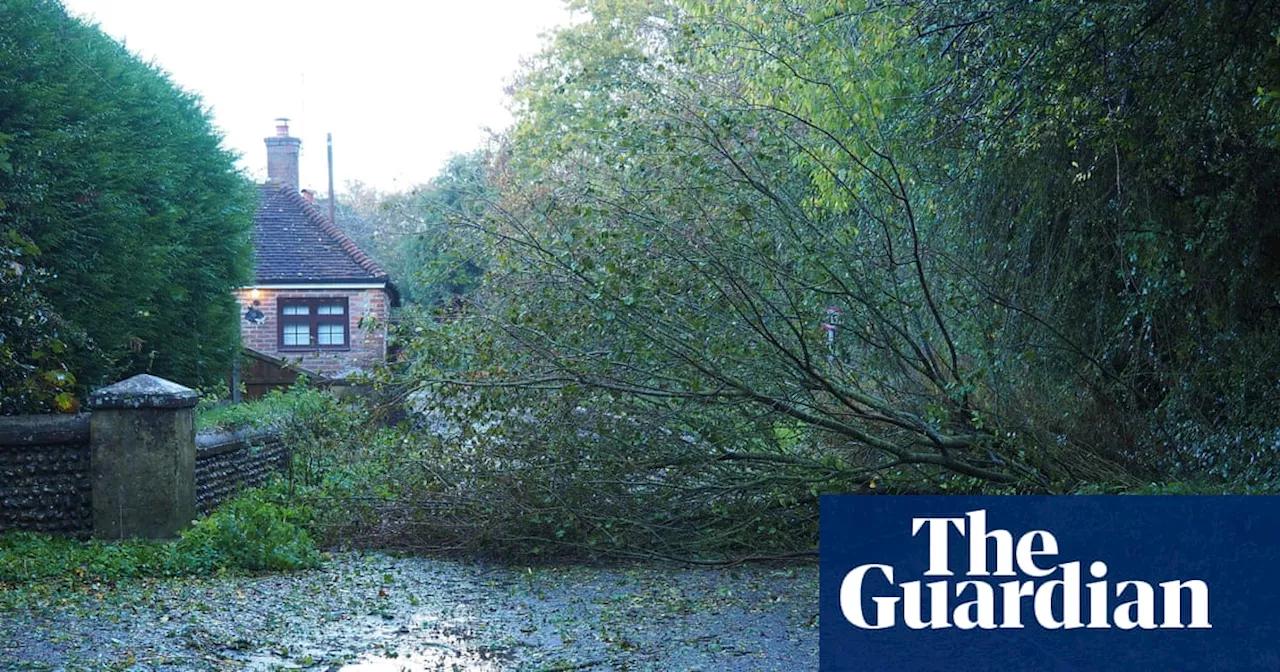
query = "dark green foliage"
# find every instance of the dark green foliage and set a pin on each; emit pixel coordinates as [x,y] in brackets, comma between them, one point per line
[27,557]
[119,178]
[278,408]
[1198,487]
[1131,160]
[35,342]
[256,531]
[1050,231]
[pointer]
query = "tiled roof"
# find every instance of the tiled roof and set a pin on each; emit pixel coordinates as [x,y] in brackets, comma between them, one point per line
[294,242]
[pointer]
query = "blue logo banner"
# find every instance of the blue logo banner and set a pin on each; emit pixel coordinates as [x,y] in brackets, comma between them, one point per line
[1050,583]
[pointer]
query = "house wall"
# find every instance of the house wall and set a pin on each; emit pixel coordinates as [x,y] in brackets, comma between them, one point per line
[368,341]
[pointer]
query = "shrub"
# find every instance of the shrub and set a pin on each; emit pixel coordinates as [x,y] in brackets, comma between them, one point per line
[251,532]
[276,408]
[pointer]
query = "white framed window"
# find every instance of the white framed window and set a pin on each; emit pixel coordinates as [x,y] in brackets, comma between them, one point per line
[331,334]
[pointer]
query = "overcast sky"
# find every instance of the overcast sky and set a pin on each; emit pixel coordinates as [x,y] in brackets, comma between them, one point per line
[401,84]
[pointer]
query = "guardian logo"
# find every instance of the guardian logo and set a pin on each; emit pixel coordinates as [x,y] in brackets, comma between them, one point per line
[1121,583]
[984,601]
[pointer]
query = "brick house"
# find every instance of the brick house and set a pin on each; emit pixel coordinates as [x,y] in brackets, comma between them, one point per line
[318,304]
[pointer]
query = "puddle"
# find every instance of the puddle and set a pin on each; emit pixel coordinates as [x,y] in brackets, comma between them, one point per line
[425,645]
[422,662]
[453,648]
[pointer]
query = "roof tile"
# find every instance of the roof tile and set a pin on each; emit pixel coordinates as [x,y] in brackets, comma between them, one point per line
[294,242]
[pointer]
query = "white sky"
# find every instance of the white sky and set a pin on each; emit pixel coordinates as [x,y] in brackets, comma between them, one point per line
[401,84]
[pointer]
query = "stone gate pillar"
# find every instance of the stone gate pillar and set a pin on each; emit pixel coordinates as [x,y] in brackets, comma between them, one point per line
[142,443]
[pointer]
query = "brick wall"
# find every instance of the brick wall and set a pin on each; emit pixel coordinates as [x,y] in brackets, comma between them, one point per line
[367,314]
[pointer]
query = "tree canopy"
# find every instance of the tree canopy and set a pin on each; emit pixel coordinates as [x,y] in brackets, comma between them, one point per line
[409,232]
[748,252]
[118,178]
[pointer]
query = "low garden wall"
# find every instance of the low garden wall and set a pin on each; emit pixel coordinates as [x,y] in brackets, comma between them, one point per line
[227,462]
[48,470]
[45,483]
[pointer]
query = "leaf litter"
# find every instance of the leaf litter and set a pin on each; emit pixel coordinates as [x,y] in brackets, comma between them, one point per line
[365,612]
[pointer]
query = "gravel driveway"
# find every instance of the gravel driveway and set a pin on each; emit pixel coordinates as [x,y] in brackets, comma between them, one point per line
[372,612]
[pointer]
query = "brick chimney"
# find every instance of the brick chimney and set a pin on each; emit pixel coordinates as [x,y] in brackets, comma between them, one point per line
[282,156]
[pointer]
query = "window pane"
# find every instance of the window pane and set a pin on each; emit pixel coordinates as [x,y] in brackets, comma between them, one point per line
[297,310]
[331,334]
[331,309]
[297,334]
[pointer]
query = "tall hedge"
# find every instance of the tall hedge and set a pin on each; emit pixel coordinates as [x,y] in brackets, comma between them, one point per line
[121,181]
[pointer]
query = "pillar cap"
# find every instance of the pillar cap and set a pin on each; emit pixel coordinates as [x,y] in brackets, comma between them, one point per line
[143,391]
